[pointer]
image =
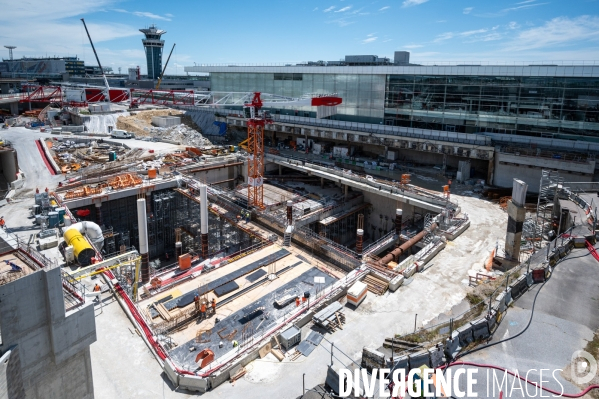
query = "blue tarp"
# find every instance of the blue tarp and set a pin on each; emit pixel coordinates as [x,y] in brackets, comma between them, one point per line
[222,127]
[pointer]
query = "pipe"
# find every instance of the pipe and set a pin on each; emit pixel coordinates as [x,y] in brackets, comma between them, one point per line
[92,231]
[143,239]
[398,220]
[397,252]
[204,219]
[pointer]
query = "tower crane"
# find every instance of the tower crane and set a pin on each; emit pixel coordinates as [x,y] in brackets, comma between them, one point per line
[107,97]
[256,121]
[165,65]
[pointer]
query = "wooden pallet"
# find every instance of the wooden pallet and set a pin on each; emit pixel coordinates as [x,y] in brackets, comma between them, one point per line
[376,285]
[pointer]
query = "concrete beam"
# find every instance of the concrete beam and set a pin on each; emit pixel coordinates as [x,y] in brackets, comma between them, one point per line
[429,204]
[133,191]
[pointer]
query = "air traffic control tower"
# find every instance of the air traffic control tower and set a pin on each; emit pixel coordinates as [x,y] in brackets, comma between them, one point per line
[153,47]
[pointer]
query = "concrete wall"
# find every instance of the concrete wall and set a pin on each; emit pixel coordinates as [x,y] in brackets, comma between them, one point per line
[9,165]
[11,381]
[219,175]
[53,345]
[386,207]
[529,169]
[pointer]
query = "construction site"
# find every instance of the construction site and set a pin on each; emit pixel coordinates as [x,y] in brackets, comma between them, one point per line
[193,242]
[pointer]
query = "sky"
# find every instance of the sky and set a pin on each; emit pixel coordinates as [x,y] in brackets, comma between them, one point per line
[285,31]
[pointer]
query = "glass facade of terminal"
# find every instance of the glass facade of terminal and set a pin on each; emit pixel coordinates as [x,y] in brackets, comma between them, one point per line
[534,106]
[556,107]
[363,95]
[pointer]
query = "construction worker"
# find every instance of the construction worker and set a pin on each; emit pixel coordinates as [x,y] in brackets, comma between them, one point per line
[213,305]
[235,344]
[2,222]
[297,301]
[203,310]
[97,290]
[196,302]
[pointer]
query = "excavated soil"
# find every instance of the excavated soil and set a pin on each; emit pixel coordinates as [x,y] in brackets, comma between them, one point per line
[140,122]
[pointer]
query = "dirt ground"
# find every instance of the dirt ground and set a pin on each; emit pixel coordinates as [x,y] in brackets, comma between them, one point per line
[138,120]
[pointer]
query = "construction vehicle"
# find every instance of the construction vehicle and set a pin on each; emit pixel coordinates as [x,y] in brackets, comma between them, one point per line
[164,69]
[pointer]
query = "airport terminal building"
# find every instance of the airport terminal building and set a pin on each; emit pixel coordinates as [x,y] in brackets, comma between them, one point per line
[507,107]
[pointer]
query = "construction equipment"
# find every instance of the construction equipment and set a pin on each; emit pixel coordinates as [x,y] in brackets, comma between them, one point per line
[164,69]
[107,95]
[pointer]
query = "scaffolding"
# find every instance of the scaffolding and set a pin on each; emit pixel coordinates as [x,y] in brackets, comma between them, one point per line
[549,187]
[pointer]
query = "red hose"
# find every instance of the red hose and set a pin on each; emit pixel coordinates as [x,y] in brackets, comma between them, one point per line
[490,366]
[592,250]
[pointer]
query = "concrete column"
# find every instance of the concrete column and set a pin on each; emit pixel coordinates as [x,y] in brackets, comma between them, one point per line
[148,203]
[289,213]
[398,221]
[178,249]
[516,215]
[359,241]
[280,170]
[345,192]
[322,182]
[14,108]
[99,213]
[142,221]
[204,219]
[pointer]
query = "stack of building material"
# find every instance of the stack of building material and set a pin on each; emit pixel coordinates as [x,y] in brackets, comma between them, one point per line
[376,285]
[357,293]
[330,317]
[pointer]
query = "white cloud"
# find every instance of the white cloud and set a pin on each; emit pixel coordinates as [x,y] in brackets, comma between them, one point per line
[369,40]
[344,9]
[450,35]
[341,22]
[524,5]
[331,8]
[169,15]
[384,8]
[315,9]
[410,3]
[513,25]
[468,10]
[145,14]
[558,31]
